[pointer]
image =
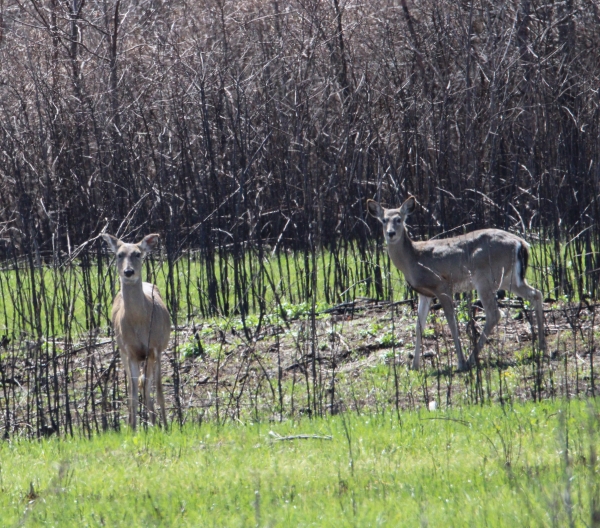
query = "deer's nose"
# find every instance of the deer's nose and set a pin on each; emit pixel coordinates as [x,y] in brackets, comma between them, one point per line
[128,272]
[391,234]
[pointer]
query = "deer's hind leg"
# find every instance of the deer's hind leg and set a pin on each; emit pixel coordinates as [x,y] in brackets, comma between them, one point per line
[159,393]
[534,296]
[487,295]
[448,305]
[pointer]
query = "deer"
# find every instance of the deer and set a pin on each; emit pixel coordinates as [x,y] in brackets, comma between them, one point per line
[141,325]
[486,260]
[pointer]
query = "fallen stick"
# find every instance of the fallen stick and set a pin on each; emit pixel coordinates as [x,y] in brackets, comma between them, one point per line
[299,437]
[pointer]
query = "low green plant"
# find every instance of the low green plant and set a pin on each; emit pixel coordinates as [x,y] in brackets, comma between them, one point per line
[462,312]
[429,332]
[523,354]
[375,328]
[192,348]
[388,339]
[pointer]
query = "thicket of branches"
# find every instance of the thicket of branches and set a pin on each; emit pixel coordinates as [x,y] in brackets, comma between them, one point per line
[241,128]
[233,124]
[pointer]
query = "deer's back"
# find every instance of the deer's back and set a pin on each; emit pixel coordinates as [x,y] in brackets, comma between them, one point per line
[463,259]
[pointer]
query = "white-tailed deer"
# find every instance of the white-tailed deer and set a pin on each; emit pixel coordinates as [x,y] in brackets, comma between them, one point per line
[486,260]
[141,324]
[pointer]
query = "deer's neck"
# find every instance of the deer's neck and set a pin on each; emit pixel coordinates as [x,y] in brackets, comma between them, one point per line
[134,300]
[404,255]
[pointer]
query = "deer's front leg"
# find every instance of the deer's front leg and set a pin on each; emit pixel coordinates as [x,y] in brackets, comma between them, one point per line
[149,376]
[423,310]
[134,369]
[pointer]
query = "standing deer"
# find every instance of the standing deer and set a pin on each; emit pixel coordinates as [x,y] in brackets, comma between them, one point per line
[486,260]
[141,324]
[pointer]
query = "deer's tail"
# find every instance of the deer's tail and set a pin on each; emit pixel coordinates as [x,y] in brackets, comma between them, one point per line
[522,260]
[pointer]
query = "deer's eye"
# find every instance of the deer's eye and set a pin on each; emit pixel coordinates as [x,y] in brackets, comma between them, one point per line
[136,254]
[120,255]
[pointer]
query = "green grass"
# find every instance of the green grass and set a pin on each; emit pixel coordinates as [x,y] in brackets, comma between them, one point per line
[70,300]
[73,299]
[531,465]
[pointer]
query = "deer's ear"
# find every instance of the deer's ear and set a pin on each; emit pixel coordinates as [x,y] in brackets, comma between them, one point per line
[375,209]
[149,242]
[112,241]
[409,206]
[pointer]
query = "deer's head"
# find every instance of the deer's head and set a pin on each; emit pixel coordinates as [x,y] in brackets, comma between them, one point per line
[393,220]
[130,256]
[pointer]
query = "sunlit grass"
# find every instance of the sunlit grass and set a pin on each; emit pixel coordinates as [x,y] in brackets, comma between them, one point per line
[512,466]
[73,299]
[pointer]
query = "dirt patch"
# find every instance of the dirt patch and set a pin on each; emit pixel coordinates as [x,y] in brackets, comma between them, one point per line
[353,356]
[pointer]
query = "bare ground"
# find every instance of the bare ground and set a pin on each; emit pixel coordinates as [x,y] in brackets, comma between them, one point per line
[353,356]
[357,356]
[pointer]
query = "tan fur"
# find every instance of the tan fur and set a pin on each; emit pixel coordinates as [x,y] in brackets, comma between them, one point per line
[141,323]
[486,260]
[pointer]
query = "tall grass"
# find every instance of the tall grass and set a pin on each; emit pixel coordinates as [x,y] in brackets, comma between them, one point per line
[518,465]
[74,298]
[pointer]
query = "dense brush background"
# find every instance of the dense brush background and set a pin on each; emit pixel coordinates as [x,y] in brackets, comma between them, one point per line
[250,134]
[224,124]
